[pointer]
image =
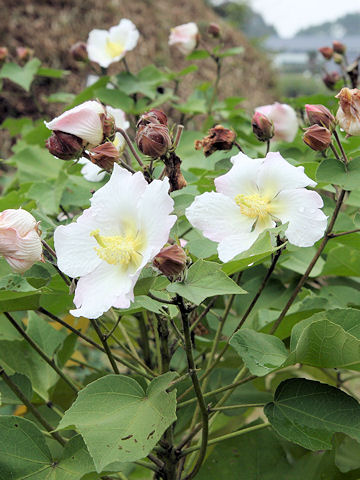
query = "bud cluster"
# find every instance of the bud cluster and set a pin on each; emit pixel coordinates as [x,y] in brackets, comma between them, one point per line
[153,136]
[322,124]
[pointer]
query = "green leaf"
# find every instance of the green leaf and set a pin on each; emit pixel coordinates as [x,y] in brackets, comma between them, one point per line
[328,339]
[48,194]
[204,279]
[18,301]
[118,420]
[198,55]
[343,261]
[333,171]
[347,455]
[23,76]
[115,98]
[61,97]
[51,72]
[309,413]
[35,164]
[15,283]
[230,52]
[8,397]
[260,352]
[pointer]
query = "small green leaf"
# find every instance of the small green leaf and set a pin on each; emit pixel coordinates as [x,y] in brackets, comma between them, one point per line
[198,55]
[23,76]
[204,279]
[230,52]
[61,97]
[51,72]
[309,413]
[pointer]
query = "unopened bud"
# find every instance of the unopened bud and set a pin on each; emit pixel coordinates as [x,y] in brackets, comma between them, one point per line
[109,127]
[320,115]
[353,71]
[24,53]
[153,139]
[338,58]
[262,126]
[171,261]
[4,53]
[331,79]
[65,145]
[219,138]
[214,30]
[153,116]
[79,52]
[339,47]
[318,138]
[104,155]
[326,52]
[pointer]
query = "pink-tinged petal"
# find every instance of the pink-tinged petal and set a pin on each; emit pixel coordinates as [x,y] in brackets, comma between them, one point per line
[217,216]
[84,121]
[75,247]
[241,178]
[301,208]
[235,244]
[21,252]
[115,204]
[96,47]
[277,174]
[107,286]
[20,220]
[184,37]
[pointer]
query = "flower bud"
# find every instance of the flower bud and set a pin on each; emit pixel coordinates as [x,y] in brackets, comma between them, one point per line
[153,139]
[79,52]
[331,79]
[353,71]
[24,53]
[153,116]
[104,155]
[219,138]
[263,128]
[109,127]
[171,261]
[214,30]
[338,58]
[64,145]
[339,47]
[4,53]
[320,115]
[348,114]
[20,241]
[318,138]
[326,52]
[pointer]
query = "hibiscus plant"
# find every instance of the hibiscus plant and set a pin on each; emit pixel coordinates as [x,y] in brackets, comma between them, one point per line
[176,305]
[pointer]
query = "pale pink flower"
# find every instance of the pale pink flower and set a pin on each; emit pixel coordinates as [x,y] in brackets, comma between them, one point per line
[348,114]
[284,119]
[184,37]
[20,242]
[126,226]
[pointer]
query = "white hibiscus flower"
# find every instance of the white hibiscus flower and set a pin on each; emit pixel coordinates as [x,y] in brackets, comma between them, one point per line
[253,196]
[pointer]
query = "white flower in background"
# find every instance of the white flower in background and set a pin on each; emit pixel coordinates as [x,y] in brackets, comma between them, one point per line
[84,121]
[20,241]
[348,114]
[127,224]
[284,119]
[108,46]
[251,197]
[184,37]
[92,172]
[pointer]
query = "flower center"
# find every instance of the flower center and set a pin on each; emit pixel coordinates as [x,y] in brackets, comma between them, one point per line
[118,249]
[114,49]
[253,206]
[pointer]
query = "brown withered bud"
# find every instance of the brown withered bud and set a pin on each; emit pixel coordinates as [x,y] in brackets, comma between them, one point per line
[79,52]
[24,53]
[326,52]
[219,138]
[331,79]
[353,72]
[109,127]
[4,53]
[320,115]
[214,30]
[318,138]
[173,172]
[104,155]
[262,126]
[153,139]
[64,145]
[339,47]
[153,116]
[171,261]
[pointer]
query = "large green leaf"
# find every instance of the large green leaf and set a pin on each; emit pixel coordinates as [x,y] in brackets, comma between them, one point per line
[204,279]
[23,76]
[309,413]
[8,397]
[260,352]
[35,164]
[118,420]
[328,339]
[333,171]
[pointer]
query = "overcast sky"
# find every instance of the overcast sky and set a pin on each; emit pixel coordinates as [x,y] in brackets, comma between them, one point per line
[289,16]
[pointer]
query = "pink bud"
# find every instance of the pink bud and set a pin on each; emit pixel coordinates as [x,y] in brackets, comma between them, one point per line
[24,53]
[320,115]
[263,128]
[331,79]
[326,52]
[339,47]
[153,139]
[4,53]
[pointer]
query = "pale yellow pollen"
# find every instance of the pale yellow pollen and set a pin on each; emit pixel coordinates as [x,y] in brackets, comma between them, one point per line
[118,249]
[114,49]
[253,206]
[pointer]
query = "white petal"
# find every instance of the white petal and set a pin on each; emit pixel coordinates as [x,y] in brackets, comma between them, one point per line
[241,178]
[125,33]
[75,247]
[301,208]
[235,244]
[217,216]
[119,117]
[277,174]
[107,286]
[96,48]
[20,220]
[90,171]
